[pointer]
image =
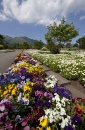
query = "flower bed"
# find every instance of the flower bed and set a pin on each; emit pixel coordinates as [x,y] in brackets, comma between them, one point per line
[31,100]
[71,66]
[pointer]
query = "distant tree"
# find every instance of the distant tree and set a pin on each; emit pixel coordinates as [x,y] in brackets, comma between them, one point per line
[62,33]
[81,42]
[1,39]
[17,46]
[38,44]
[25,45]
[68,45]
[60,45]
[1,46]
[75,45]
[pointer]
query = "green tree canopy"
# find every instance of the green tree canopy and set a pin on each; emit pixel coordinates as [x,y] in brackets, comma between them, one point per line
[81,42]
[25,45]
[62,33]
[1,39]
[38,44]
[1,46]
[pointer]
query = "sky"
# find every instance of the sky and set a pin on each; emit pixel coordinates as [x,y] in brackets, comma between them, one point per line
[31,17]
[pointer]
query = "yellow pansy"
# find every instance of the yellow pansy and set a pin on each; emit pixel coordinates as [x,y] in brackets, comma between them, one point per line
[0,91]
[26,96]
[15,69]
[27,83]
[31,70]
[44,122]
[27,88]
[48,128]
[5,92]
[10,87]
[39,128]
[14,92]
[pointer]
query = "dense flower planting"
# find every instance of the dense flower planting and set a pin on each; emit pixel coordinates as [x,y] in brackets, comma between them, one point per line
[71,65]
[31,100]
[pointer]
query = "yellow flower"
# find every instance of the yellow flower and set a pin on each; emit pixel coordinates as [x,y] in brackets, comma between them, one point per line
[5,92]
[39,128]
[15,69]
[44,122]
[27,88]
[48,128]
[14,92]
[0,91]
[26,96]
[10,87]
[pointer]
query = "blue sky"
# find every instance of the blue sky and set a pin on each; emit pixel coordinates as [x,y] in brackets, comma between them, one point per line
[30,17]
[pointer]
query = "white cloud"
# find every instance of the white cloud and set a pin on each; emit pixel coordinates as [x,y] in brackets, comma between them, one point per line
[82,17]
[3,17]
[40,11]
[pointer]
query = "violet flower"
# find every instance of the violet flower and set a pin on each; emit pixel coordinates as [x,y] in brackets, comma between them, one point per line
[39,103]
[69,127]
[76,120]
[47,104]
[3,116]
[9,125]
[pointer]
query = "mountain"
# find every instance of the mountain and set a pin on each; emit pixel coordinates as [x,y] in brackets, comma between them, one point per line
[10,40]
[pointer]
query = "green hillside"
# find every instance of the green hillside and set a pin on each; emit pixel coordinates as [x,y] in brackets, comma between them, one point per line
[11,40]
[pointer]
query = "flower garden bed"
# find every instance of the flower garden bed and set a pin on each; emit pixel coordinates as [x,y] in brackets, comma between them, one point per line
[70,65]
[31,100]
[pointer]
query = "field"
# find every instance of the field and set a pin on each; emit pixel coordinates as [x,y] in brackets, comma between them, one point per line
[70,64]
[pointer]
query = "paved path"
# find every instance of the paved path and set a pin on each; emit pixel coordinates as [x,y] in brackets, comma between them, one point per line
[6,59]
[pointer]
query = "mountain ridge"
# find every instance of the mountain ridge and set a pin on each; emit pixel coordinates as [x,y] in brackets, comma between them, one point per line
[19,39]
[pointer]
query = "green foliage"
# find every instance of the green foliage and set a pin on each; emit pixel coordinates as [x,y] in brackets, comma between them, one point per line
[2,43]
[59,34]
[38,45]
[1,47]
[60,45]
[81,42]
[55,49]
[62,33]
[68,45]
[25,45]
[44,48]
[1,39]
[76,45]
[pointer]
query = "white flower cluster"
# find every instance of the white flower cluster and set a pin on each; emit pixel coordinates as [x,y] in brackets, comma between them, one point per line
[70,64]
[58,113]
[50,81]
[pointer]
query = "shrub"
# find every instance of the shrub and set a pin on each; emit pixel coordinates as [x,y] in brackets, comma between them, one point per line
[54,49]
[44,49]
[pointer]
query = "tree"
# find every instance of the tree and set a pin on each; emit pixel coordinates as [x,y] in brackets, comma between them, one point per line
[16,46]
[60,45]
[68,45]
[81,42]
[60,34]
[1,47]
[38,45]
[1,39]
[75,45]
[25,45]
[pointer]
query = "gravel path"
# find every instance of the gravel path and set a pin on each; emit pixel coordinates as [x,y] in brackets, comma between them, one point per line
[6,59]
